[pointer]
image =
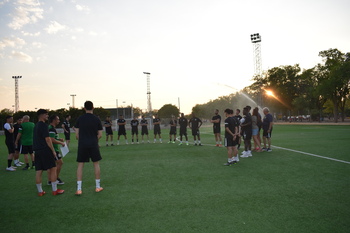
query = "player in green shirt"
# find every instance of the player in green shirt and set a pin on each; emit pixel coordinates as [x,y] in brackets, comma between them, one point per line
[25,134]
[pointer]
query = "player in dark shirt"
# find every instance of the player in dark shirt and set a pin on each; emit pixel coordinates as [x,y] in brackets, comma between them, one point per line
[195,123]
[173,124]
[66,127]
[88,129]
[44,154]
[109,131]
[10,143]
[134,130]
[121,130]
[216,120]
[156,128]
[144,128]
[231,137]
[246,125]
[183,128]
[267,126]
[238,118]
[16,127]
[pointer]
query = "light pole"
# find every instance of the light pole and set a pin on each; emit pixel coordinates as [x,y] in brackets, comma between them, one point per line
[256,40]
[149,104]
[16,92]
[73,100]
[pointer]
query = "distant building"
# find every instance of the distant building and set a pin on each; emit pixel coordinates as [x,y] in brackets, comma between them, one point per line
[128,113]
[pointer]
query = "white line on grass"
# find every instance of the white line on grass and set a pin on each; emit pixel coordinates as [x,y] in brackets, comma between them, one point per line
[305,153]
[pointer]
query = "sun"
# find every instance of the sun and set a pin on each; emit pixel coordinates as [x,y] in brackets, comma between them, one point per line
[269,93]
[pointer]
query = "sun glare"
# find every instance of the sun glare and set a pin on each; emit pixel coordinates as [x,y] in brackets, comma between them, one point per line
[269,93]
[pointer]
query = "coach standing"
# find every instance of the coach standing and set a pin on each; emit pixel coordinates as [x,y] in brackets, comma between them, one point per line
[88,129]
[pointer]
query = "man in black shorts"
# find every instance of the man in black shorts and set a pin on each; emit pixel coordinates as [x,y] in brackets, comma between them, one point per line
[246,126]
[44,154]
[195,123]
[183,128]
[238,117]
[109,131]
[121,128]
[88,129]
[156,128]
[231,137]
[216,120]
[144,128]
[66,128]
[10,143]
[16,128]
[173,124]
[134,130]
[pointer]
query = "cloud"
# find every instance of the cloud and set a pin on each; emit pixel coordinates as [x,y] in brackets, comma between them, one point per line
[13,42]
[54,27]
[30,34]
[27,12]
[22,56]
[82,8]
[37,45]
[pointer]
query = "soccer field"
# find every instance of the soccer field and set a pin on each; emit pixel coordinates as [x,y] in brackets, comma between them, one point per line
[303,185]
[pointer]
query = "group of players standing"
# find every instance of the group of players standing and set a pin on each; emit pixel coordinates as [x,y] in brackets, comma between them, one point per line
[194,124]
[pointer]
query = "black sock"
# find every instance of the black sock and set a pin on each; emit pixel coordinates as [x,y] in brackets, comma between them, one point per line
[27,164]
[9,161]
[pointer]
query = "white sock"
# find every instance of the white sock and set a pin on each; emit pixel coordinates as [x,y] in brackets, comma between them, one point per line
[199,141]
[79,183]
[54,185]
[98,183]
[39,187]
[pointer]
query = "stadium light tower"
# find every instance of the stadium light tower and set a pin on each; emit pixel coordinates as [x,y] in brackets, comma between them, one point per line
[149,104]
[73,100]
[256,40]
[16,92]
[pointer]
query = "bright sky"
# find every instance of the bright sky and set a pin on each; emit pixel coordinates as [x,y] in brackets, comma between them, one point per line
[98,50]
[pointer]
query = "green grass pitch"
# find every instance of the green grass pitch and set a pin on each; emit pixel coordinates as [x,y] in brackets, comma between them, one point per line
[170,188]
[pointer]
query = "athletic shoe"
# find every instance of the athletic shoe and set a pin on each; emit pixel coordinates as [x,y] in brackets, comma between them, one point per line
[245,155]
[199,144]
[268,150]
[20,162]
[112,144]
[244,152]
[40,194]
[49,183]
[106,144]
[14,167]
[169,142]
[18,165]
[187,144]
[60,182]
[195,144]
[97,190]
[217,145]
[230,163]
[263,149]
[249,154]
[57,192]
[236,159]
[26,168]
[173,141]
[180,143]
[78,192]
[10,169]
[220,145]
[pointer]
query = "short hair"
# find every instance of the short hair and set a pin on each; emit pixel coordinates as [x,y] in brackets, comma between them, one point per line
[88,105]
[228,111]
[67,116]
[266,109]
[238,110]
[41,112]
[8,117]
[26,117]
[52,118]
[248,107]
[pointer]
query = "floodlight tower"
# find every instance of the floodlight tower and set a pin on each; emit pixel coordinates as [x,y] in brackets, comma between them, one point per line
[73,100]
[16,92]
[256,40]
[149,104]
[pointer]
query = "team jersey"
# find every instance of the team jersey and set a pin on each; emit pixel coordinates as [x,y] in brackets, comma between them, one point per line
[134,123]
[266,122]
[66,125]
[41,132]
[144,123]
[173,122]
[88,125]
[216,117]
[194,122]
[121,121]
[231,123]
[16,129]
[156,120]
[26,130]
[8,135]
[183,122]
[53,134]
[248,119]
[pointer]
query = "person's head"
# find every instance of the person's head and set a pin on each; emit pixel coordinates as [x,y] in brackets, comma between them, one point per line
[238,111]
[42,114]
[108,118]
[155,115]
[193,114]
[256,111]
[228,112]
[266,110]
[68,117]
[143,116]
[19,120]
[89,106]
[26,118]
[9,119]
[121,116]
[245,111]
[54,120]
[216,112]
[182,114]
[249,108]
[172,117]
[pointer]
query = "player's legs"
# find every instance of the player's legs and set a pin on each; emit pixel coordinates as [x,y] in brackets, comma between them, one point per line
[97,170]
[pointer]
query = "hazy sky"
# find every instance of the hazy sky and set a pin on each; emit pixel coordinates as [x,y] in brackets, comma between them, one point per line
[99,50]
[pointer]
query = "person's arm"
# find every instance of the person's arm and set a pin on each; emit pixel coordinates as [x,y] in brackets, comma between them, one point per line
[49,143]
[19,135]
[77,133]
[99,134]
[200,123]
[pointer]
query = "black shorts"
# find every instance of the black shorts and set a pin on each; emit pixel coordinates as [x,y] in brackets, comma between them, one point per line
[10,147]
[26,150]
[44,159]
[144,131]
[195,132]
[156,130]
[18,147]
[134,131]
[267,135]
[183,131]
[121,132]
[247,135]
[172,131]
[58,156]
[216,129]
[67,136]
[229,142]
[87,153]
[109,131]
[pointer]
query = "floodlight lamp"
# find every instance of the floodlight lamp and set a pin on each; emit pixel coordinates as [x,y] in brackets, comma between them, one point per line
[146,73]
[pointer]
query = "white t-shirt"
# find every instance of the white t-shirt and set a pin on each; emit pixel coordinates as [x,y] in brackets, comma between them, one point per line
[7,126]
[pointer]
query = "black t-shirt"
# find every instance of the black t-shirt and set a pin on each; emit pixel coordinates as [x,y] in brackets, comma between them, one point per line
[173,122]
[66,126]
[16,128]
[216,117]
[231,123]
[88,125]
[41,131]
[248,119]
[144,121]
[121,121]
[183,122]
[134,124]
[156,120]
[9,136]
[194,122]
